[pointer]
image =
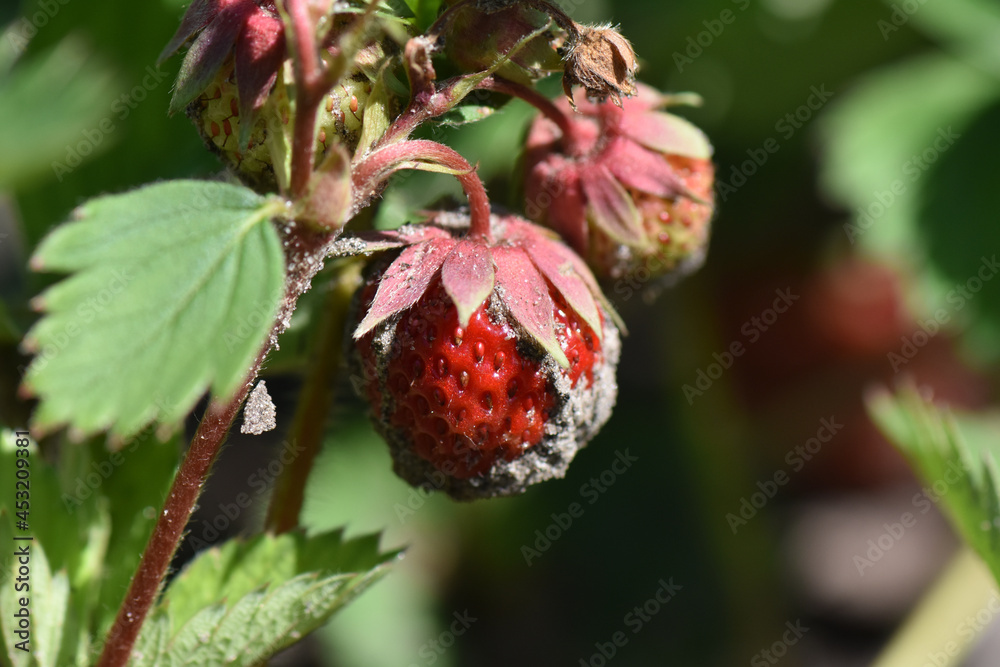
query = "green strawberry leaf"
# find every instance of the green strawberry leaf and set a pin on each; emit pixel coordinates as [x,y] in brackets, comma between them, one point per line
[64,530]
[87,513]
[242,602]
[956,455]
[51,109]
[872,134]
[175,289]
[47,600]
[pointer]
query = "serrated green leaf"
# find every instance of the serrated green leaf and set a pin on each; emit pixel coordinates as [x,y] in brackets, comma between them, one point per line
[240,603]
[53,113]
[150,649]
[48,604]
[62,530]
[175,288]
[49,607]
[86,514]
[954,452]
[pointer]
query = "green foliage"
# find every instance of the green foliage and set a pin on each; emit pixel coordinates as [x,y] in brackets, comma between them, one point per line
[240,603]
[83,515]
[969,27]
[958,220]
[175,288]
[425,12]
[48,605]
[50,104]
[8,330]
[905,162]
[250,598]
[956,451]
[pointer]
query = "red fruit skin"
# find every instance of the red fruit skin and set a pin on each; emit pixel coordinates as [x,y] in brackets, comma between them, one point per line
[480,411]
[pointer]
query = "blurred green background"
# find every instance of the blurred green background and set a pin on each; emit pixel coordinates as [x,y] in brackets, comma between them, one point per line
[755,488]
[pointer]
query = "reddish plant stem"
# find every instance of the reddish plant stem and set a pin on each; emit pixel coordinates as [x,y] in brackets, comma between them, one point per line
[304,254]
[169,529]
[562,19]
[425,100]
[370,172]
[535,99]
[310,86]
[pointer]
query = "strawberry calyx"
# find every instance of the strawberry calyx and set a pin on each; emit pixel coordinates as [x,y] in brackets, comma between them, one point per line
[249,31]
[525,267]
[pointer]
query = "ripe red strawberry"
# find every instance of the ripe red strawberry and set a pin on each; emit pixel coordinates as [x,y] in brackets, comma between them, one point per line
[488,365]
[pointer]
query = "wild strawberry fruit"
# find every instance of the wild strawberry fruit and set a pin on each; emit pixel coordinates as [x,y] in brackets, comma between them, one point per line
[235,85]
[487,364]
[216,114]
[629,188]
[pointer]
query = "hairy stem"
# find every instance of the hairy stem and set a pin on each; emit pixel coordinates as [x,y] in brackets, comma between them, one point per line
[535,99]
[304,255]
[169,529]
[314,406]
[375,168]
[309,90]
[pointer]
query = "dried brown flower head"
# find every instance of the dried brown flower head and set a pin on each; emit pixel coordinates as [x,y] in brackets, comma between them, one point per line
[603,62]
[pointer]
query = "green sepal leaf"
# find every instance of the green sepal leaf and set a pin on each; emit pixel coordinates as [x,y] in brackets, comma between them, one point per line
[958,451]
[175,289]
[425,12]
[376,118]
[240,603]
[328,200]
[464,114]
